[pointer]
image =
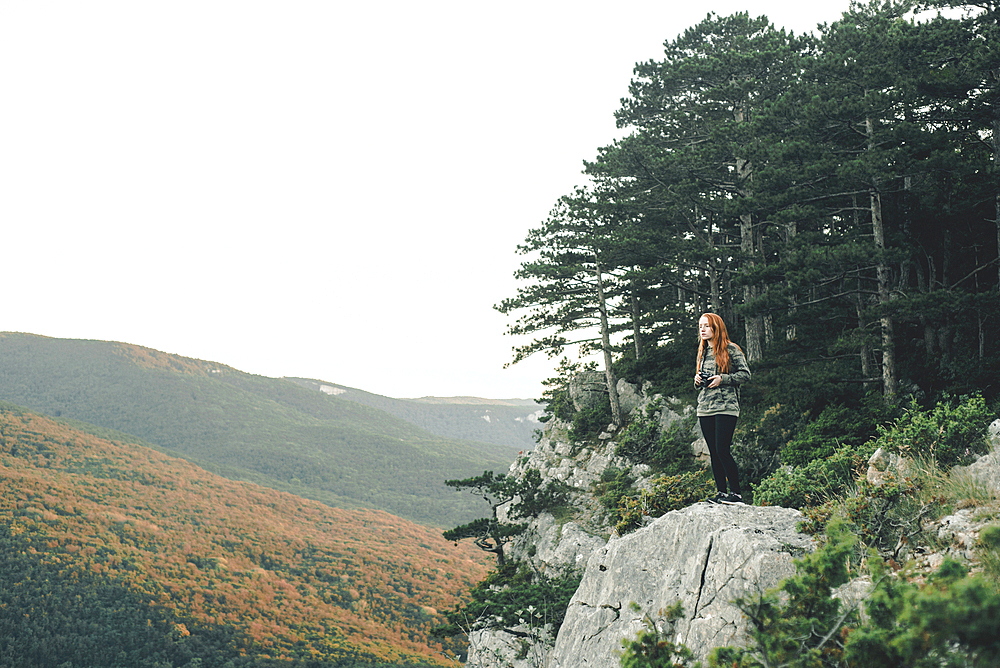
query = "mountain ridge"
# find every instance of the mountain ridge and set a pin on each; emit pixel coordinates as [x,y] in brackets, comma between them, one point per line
[507,422]
[266,430]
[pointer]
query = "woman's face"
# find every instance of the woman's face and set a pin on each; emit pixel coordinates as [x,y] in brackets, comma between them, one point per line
[705,329]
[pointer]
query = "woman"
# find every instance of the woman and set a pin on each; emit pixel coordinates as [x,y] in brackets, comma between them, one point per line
[721,369]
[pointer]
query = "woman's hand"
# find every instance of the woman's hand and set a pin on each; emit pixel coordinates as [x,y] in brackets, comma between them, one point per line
[714,381]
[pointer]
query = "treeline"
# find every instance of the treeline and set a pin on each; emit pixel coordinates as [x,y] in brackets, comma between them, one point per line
[834,197]
[116,555]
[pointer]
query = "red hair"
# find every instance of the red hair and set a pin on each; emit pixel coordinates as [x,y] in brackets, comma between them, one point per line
[720,343]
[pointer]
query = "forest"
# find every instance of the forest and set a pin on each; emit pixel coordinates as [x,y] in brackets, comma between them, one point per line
[115,555]
[834,197]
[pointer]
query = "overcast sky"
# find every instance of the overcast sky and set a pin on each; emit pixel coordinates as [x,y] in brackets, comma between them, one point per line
[325,189]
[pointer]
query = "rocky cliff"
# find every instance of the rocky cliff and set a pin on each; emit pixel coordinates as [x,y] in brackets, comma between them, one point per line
[703,556]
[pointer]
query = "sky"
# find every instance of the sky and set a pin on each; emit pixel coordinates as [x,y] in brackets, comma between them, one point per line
[327,189]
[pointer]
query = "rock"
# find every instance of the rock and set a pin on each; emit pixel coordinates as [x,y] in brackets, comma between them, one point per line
[588,389]
[985,470]
[993,436]
[558,546]
[884,465]
[629,397]
[704,556]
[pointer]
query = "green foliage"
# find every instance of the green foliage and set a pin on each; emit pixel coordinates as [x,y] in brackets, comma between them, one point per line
[820,437]
[952,620]
[527,497]
[517,599]
[611,487]
[666,493]
[759,440]
[947,434]
[655,646]
[817,481]
[665,450]
[555,397]
[886,518]
[988,550]
[590,422]
[950,433]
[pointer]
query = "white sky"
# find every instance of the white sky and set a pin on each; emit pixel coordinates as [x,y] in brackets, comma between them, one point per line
[301,188]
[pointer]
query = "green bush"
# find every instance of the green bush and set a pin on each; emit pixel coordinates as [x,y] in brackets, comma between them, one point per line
[950,433]
[820,438]
[665,450]
[759,441]
[590,422]
[613,485]
[817,481]
[668,492]
[654,647]
[514,597]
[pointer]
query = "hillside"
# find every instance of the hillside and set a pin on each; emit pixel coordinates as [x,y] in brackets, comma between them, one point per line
[510,423]
[117,555]
[265,430]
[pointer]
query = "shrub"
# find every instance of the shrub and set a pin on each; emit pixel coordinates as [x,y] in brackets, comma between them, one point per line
[665,450]
[816,482]
[820,438]
[654,646]
[611,487]
[512,597]
[669,492]
[759,441]
[590,422]
[988,549]
[950,433]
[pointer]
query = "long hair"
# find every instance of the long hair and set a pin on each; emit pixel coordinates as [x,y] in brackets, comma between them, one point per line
[720,343]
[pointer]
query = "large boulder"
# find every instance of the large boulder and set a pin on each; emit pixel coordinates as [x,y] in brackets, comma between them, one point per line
[588,389]
[986,470]
[704,556]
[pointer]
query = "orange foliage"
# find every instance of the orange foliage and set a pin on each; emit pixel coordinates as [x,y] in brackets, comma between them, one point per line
[283,571]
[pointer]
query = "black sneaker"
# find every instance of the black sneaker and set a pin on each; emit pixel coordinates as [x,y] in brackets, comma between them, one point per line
[718,497]
[733,498]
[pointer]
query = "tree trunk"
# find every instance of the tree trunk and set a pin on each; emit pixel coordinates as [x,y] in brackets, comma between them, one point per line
[754,325]
[866,350]
[609,373]
[890,383]
[996,170]
[636,330]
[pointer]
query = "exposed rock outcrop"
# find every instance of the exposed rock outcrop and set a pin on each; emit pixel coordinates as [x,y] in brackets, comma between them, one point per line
[705,556]
[985,470]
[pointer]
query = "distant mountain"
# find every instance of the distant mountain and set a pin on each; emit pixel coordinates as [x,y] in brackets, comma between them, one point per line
[113,554]
[510,422]
[270,431]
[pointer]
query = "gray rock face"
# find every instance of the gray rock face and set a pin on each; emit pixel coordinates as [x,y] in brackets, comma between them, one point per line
[588,389]
[705,556]
[986,470]
[561,546]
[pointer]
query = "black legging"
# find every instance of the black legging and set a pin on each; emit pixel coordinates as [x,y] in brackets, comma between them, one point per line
[718,432]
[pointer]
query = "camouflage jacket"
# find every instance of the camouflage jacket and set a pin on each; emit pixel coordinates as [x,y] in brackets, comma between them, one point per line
[724,399]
